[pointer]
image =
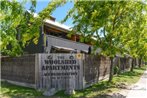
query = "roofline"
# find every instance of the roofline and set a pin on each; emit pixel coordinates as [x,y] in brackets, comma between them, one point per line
[52,23]
[57,25]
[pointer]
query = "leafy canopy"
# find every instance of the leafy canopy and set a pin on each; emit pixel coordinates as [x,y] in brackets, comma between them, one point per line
[113,24]
[19,27]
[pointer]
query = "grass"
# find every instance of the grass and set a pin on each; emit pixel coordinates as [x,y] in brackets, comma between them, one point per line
[13,91]
[103,87]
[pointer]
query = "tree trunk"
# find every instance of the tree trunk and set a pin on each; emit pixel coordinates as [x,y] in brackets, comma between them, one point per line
[139,62]
[132,65]
[111,70]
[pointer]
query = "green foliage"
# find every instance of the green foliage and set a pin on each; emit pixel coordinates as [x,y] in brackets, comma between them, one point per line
[11,17]
[15,27]
[134,40]
[121,22]
[16,21]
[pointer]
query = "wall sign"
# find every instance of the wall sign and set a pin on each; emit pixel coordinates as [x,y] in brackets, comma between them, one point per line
[59,66]
[60,71]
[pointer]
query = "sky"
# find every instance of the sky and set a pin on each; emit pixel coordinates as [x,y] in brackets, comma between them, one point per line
[59,13]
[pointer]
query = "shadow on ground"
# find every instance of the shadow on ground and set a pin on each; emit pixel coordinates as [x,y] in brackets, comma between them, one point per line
[112,96]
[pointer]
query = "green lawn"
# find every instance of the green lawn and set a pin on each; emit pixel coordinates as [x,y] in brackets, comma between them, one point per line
[13,91]
[103,87]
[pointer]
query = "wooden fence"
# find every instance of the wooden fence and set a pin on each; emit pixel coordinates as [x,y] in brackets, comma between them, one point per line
[95,68]
[19,69]
[123,63]
[37,70]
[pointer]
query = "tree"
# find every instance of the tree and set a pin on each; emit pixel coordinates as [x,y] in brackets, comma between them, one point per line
[135,41]
[16,22]
[12,15]
[112,17]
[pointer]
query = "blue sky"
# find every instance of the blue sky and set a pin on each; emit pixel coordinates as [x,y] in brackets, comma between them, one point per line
[59,13]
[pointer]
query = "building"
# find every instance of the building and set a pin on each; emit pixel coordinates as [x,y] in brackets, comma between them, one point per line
[53,39]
